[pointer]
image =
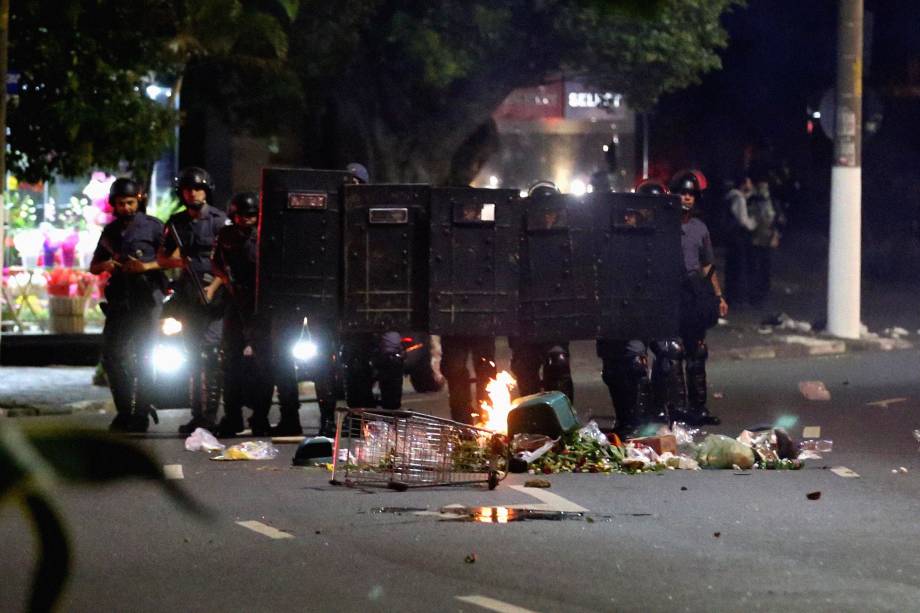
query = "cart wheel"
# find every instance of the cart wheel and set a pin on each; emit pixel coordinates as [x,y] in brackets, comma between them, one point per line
[493,480]
[399,487]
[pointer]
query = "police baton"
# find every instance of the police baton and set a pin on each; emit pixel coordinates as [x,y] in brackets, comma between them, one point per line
[187,263]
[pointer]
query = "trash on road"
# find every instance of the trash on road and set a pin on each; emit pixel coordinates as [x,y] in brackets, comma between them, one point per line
[250,450]
[314,451]
[720,451]
[814,390]
[470,558]
[202,440]
[885,403]
[541,483]
[813,495]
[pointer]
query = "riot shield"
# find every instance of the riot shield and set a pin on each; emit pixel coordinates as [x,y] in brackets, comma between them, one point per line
[299,242]
[558,291]
[474,261]
[639,265]
[386,257]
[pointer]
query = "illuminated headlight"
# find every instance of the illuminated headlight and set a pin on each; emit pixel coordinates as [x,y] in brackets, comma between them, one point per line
[304,350]
[171,326]
[167,359]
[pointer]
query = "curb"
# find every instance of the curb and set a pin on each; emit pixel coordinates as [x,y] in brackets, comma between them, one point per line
[800,346]
[70,408]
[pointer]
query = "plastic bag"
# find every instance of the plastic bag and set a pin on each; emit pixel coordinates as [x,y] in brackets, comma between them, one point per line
[592,432]
[202,440]
[720,451]
[250,450]
[814,390]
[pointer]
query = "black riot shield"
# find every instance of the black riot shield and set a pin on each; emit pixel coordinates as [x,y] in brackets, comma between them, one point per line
[474,261]
[639,265]
[558,291]
[299,242]
[386,257]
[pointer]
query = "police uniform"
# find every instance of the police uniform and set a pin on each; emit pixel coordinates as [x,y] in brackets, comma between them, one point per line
[529,358]
[247,378]
[454,353]
[203,323]
[132,309]
[369,357]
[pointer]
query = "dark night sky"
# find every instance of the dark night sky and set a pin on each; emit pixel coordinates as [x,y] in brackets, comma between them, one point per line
[780,58]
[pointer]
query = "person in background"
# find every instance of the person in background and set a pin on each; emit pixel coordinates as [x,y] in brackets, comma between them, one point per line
[764,238]
[739,231]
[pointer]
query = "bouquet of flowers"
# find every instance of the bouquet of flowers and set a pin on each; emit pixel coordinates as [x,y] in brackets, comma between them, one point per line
[70,282]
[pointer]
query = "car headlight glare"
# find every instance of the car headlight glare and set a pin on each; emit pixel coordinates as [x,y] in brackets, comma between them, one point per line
[167,359]
[171,326]
[304,350]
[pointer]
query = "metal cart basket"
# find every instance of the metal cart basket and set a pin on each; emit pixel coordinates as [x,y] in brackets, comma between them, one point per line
[403,449]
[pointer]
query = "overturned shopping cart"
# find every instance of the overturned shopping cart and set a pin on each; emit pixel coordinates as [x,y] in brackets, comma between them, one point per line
[403,449]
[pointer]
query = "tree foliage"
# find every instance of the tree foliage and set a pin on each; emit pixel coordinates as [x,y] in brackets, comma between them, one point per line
[406,87]
[409,84]
[85,65]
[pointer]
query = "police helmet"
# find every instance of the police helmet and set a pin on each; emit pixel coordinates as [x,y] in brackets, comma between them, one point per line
[196,178]
[541,189]
[691,181]
[125,187]
[652,187]
[245,204]
[359,172]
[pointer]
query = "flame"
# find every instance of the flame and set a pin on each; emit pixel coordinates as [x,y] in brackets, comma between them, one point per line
[494,412]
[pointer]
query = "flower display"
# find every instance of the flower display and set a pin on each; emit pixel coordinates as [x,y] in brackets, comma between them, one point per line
[70,282]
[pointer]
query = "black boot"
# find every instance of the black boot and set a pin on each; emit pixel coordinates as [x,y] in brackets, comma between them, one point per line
[121,423]
[230,425]
[697,413]
[668,384]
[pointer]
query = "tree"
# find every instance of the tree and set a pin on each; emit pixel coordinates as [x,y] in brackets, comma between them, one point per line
[409,87]
[85,66]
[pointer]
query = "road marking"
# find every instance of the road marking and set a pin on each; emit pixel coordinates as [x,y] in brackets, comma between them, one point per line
[551,502]
[173,471]
[811,432]
[884,403]
[493,605]
[272,533]
[843,471]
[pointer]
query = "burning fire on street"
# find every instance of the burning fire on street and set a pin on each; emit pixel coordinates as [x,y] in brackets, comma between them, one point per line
[494,412]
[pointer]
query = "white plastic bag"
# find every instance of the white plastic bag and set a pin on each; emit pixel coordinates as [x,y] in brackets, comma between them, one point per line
[250,450]
[202,440]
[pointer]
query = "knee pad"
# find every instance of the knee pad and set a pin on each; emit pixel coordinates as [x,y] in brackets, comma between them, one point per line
[557,357]
[671,348]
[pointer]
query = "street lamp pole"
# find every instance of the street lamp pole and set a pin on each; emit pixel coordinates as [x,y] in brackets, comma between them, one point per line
[845,252]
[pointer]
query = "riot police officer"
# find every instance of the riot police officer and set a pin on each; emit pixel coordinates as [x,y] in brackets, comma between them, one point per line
[246,347]
[625,364]
[670,354]
[188,241]
[372,356]
[134,295]
[529,358]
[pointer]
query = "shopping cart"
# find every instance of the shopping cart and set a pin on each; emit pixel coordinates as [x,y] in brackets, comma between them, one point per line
[403,449]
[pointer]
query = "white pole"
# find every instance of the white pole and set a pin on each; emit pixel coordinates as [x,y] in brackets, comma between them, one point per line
[845,254]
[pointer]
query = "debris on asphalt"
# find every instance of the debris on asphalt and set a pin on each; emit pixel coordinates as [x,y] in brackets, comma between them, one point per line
[895,332]
[814,390]
[718,395]
[314,451]
[717,534]
[470,558]
[250,450]
[885,403]
[784,322]
[900,470]
[813,495]
[543,483]
[720,451]
[203,440]
[811,432]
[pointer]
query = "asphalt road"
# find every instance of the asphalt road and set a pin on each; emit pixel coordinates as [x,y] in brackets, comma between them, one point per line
[678,541]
